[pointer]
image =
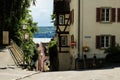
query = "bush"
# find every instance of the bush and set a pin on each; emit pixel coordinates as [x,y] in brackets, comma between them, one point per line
[113,54]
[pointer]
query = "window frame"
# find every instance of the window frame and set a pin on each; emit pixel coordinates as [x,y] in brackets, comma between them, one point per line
[64,40]
[104,15]
[101,43]
[105,43]
[61,19]
[112,14]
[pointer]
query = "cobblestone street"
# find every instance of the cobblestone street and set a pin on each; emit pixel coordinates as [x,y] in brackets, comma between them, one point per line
[18,74]
[103,74]
[8,71]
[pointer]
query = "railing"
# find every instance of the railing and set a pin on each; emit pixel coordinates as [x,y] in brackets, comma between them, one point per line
[16,53]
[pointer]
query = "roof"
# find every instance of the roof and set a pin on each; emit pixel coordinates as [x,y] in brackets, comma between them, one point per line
[61,7]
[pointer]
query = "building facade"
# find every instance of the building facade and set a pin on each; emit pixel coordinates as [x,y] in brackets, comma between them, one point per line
[94,26]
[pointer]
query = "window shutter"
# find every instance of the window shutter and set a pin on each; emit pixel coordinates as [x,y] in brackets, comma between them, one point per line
[98,42]
[113,14]
[98,14]
[72,16]
[112,41]
[118,14]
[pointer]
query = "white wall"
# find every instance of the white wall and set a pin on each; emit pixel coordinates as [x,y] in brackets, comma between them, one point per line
[91,28]
[74,31]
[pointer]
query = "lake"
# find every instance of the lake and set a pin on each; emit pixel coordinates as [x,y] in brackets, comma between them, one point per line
[44,34]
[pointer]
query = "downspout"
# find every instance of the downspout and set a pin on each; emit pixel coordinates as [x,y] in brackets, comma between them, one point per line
[78,29]
[83,56]
[78,43]
[78,50]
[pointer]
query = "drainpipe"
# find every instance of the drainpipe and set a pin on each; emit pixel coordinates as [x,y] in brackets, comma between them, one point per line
[78,54]
[83,56]
[78,29]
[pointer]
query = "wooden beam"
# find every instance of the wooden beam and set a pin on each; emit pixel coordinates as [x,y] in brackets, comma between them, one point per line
[63,32]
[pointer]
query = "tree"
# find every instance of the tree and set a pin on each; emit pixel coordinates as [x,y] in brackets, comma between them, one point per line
[53,54]
[13,14]
[28,46]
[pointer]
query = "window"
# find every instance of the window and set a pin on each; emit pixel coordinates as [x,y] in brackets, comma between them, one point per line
[105,41]
[105,14]
[64,41]
[61,19]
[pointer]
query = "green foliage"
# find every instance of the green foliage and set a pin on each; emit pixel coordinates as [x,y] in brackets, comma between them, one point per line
[113,54]
[113,50]
[52,43]
[53,54]
[30,52]
[53,19]
[13,14]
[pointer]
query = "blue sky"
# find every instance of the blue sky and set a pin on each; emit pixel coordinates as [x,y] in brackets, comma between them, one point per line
[41,13]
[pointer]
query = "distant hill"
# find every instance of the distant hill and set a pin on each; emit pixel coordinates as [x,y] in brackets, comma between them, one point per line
[45,32]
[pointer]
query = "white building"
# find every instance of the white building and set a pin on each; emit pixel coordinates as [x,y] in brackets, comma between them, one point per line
[92,24]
